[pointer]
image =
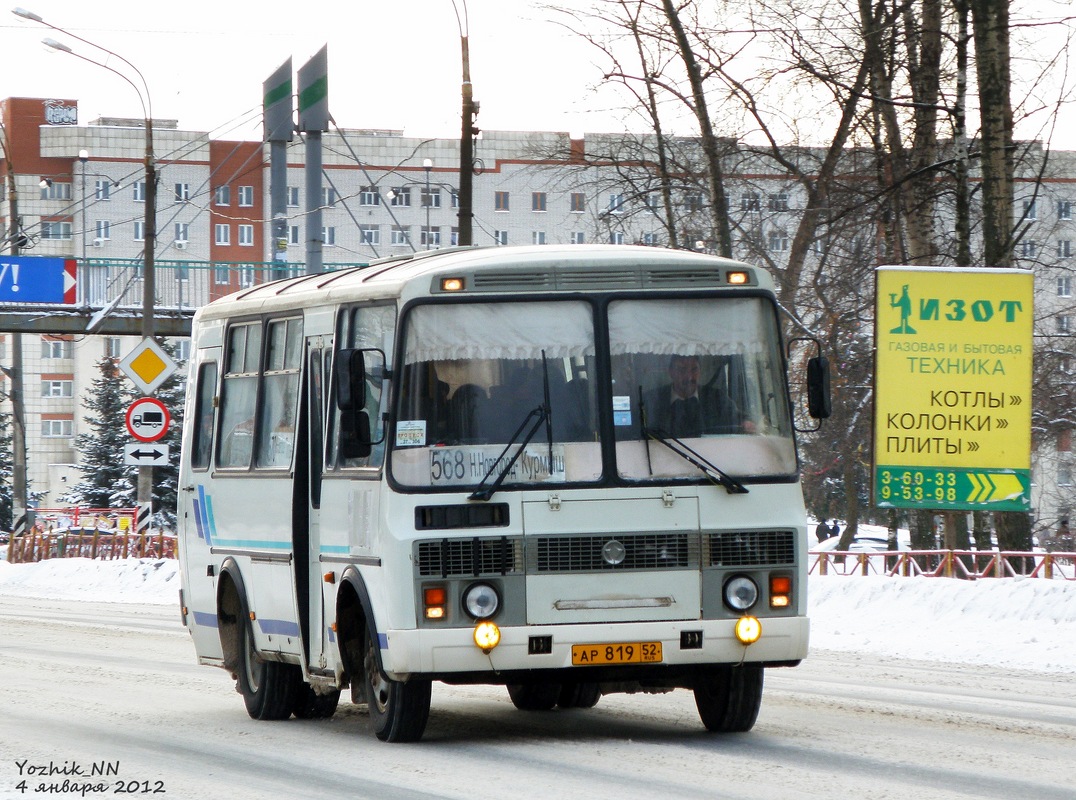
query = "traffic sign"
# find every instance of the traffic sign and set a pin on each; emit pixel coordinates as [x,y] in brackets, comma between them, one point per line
[148,366]
[148,419]
[145,455]
[37,279]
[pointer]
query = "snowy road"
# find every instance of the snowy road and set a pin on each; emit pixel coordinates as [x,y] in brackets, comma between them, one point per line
[116,686]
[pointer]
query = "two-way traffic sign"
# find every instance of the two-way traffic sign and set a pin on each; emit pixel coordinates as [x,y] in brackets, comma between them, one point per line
[145,455]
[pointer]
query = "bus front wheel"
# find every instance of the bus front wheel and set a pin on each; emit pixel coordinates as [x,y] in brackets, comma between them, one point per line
[534,696]
[268,687]
[398,710]
[728,698]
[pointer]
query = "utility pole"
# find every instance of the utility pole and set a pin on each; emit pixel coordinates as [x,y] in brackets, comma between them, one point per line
[469,131]
[22,516]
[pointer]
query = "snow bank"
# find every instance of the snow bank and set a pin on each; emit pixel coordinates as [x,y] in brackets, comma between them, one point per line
[1020,623]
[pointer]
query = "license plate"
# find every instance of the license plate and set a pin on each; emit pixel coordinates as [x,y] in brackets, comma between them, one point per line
[628,653]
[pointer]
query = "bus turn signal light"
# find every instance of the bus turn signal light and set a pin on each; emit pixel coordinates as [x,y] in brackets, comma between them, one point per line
[748,630]
[780,591]
[434,599]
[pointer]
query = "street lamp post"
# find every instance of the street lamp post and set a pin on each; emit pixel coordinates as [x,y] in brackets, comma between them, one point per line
[83,157]
[145,474]
[467,132]
[427,165]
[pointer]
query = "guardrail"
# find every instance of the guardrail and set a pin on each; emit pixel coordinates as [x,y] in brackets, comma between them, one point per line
[965,564]
[36,546]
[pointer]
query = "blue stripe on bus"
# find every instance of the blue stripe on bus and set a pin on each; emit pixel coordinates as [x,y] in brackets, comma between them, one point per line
[198,519]
[205,620]
[335,548]
[211,525]
[383,641]
[282,627]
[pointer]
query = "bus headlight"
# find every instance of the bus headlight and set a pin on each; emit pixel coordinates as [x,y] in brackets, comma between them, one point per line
[487,636]
[481,600]
[741,593]
[748,630]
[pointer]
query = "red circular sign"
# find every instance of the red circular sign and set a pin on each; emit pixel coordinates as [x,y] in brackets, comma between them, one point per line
[148,419]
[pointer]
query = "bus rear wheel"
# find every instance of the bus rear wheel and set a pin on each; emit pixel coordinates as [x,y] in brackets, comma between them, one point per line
[398,710]
[728,698]
[534,696]
[308,704]
[584,694]
[268,687]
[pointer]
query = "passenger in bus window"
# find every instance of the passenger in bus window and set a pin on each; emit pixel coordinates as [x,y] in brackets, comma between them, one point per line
[684,408]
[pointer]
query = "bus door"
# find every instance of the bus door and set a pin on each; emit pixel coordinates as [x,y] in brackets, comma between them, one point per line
[309,469]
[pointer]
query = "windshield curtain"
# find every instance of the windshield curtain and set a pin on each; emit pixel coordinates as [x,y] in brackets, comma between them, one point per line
[474,378]
[708,372]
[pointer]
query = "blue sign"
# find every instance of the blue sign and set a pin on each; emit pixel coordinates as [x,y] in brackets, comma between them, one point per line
[37,279]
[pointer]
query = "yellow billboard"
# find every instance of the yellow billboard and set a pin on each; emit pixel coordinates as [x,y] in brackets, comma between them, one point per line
[952,399]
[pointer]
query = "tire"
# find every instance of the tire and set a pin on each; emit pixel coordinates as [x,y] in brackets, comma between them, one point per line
[308,704]
[584,694]
[398,710]
[534,696]
[728,698]
[268,687]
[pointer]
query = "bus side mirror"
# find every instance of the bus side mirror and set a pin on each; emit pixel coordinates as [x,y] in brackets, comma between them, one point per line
[350,380]
[355,434]
[819,402]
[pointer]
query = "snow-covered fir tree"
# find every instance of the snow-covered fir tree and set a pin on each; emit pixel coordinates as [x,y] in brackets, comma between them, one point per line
[7,473]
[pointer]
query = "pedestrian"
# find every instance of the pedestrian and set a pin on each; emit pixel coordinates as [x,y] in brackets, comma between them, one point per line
[822,531]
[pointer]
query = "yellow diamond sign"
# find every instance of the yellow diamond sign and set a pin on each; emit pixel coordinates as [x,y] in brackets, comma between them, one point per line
[148,366]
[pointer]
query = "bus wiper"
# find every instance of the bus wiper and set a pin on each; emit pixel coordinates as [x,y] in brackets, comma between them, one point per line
[539,414]
[732,486]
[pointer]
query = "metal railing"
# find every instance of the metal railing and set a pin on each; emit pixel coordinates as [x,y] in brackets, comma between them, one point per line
[965,564]
[34,546]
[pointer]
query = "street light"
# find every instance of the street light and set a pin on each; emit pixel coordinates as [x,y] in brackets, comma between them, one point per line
[427,165]
[468,131]
[145,474]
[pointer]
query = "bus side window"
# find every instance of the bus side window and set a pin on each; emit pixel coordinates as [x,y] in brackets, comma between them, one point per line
[239,395]
[202,446]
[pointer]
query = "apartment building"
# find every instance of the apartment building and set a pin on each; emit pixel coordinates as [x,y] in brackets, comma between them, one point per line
[80,190]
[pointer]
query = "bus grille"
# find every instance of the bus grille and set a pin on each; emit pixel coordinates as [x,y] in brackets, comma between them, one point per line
[447,558]
[752,548]
[629,551]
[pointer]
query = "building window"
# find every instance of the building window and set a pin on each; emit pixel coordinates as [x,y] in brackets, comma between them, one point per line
[293,196]
[616,237]
[112,347]
[537,201]
[183,192]
[778,202]
[370,234]
[431,237]
[693,202]
[102,229]
[1064,286]
[399,235]
[55,190]
[55,348]
[182,232]
[139,230]
[1030,212]
[293,234]
[138,191]
[778,242]
[57,428]
[1064,476]
[750,202]
[222,233]
[500,237]
[245,196]
[246,235]
[57,388]
[1064,209]
[102,189]
[616,204]
[1028,249]
[1064,248]
[55,230]
[1064,323]
[455,198]
[368,196]
[652,200]
[578,237]
[650,239]
[454,236]
[328,196]
[431,198]
[400,196]
[328,236]
[221,274]
[500,201]
[222,196]
[579,202]
[537,237]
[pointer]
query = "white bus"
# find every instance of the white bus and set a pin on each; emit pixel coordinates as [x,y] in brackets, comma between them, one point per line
[466,466]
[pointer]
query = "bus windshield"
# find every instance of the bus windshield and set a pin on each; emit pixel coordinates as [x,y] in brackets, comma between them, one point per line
[476,377]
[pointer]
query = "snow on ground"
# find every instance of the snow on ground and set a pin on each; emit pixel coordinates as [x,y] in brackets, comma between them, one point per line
[1017,623]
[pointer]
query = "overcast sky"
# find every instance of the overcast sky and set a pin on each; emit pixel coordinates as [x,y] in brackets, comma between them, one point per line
[392,63]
